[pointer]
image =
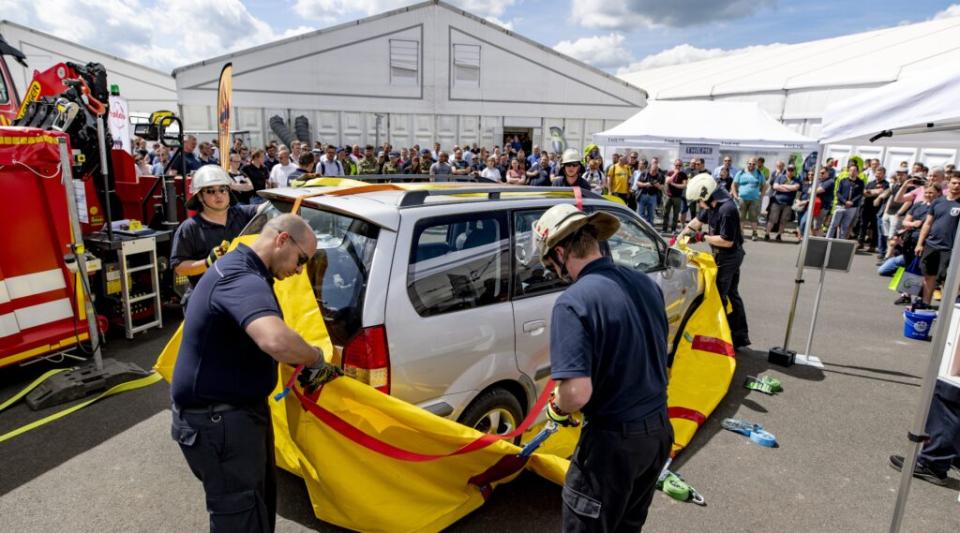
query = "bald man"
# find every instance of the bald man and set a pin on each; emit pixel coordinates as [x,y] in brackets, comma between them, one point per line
[233,337]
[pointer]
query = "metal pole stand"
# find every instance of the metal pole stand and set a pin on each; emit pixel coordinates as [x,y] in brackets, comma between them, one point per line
[102,373]
[807,358]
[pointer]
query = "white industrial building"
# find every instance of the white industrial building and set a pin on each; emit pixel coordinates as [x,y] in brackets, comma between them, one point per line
[795,83]
[145,89]
[426,73]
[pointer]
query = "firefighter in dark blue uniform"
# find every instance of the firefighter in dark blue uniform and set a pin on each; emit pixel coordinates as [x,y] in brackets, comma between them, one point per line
[608,351]
[226,368]
[203,238]
[720,213]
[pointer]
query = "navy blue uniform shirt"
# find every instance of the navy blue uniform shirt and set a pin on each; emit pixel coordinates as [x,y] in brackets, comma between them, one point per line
[218,362]
[611,326]
[562,182]
[197,236]
[946,214]
[724,220]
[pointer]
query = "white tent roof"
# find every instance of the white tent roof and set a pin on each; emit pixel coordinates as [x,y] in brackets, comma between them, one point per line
[732,125]
[799,80]
[920,111]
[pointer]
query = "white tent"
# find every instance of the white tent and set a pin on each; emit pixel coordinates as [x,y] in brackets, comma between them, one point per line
[919,111]
[740,126]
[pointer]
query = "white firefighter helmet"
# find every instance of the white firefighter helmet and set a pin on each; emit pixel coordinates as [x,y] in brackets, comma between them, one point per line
[561,221]
[570,155]
[701,187]
[207,176]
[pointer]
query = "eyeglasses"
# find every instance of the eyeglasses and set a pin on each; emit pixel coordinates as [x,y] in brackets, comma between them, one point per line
[301,259]
[214,190]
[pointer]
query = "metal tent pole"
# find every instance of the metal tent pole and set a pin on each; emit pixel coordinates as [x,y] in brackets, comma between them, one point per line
[916,435]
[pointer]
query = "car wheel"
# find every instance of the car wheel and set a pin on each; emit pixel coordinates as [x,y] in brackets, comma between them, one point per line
[496,411]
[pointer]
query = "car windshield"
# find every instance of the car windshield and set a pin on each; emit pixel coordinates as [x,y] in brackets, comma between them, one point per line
[339,269]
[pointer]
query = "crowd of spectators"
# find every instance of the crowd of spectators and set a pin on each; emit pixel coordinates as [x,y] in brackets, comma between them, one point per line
[885,212]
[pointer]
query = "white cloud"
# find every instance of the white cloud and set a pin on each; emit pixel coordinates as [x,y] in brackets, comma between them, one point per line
[686,53]
[629,14]
[950,11]
[159,34]
[331,10]
[601,51]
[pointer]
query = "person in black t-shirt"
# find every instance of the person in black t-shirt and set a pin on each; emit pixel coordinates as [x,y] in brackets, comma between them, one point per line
[675,186]
[258,174]
[720,213]
[936,238]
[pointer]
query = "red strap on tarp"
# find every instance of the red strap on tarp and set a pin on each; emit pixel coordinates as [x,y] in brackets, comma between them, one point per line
[372,443]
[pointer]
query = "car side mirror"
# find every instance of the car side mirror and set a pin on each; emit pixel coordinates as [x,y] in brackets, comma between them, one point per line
[676,258]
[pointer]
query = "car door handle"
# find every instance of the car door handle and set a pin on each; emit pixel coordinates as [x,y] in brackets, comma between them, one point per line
[534,326]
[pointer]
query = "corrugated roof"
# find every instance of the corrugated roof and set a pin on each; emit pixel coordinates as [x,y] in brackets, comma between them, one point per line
[865,59]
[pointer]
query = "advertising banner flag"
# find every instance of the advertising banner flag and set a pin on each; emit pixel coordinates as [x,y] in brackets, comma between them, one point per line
[224,105]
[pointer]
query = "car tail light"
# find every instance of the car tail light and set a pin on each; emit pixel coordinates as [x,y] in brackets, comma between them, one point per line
[366,358]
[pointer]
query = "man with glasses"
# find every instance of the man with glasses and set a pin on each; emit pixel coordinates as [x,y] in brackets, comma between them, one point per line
[202,239]
[227,367]
[727,163]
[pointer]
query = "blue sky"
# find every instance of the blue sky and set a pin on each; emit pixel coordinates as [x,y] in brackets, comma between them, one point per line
[615,35]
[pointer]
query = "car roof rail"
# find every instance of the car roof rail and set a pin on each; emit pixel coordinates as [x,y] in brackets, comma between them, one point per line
[419,197]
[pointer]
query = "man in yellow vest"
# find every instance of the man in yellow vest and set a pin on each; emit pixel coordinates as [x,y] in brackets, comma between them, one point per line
[618,181]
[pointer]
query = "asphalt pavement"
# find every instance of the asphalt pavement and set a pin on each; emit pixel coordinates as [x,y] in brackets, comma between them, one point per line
[113,467]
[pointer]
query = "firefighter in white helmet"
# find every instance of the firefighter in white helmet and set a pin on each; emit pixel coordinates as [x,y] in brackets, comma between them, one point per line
[608,353]
[720,213]
[203,238]
[571,171]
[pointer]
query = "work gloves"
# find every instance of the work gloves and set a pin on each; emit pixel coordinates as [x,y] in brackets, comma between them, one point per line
[555,414]
[313,377]
[217,252]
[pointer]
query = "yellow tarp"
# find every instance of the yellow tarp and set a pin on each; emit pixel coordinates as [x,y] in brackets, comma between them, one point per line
[354,487]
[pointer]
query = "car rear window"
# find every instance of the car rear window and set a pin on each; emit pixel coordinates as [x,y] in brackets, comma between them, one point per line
[339,270]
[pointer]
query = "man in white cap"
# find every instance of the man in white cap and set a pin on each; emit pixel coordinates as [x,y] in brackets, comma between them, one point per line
[608,353]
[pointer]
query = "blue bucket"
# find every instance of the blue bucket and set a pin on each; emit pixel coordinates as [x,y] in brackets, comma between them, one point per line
[917,325]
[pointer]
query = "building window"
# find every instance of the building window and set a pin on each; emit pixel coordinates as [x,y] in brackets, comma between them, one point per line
[466,65]
[404,62]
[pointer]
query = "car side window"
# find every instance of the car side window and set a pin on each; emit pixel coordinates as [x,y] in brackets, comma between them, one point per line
[458,262]
[530,277]
[632,246]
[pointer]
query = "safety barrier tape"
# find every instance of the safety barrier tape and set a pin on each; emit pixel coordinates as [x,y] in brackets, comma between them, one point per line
[116,389]
[374,444]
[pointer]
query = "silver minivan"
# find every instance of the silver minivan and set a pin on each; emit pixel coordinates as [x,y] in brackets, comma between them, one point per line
[438,297]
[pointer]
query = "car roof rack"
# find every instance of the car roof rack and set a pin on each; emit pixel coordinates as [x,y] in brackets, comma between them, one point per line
[419,197]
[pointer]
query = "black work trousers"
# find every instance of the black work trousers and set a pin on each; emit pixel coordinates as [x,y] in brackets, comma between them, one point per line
[943,426]
[231,451]
[867,232]
[728,282]
[613,475]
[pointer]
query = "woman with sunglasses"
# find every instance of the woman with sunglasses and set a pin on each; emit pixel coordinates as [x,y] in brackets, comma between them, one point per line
[203,238]
[571,168]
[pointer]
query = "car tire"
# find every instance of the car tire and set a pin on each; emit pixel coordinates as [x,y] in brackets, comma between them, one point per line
[494,407]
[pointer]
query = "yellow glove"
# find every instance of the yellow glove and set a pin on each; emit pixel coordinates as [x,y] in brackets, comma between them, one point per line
[217,252]
[555,414]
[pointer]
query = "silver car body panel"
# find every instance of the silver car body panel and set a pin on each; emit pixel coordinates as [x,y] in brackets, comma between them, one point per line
[442,362]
